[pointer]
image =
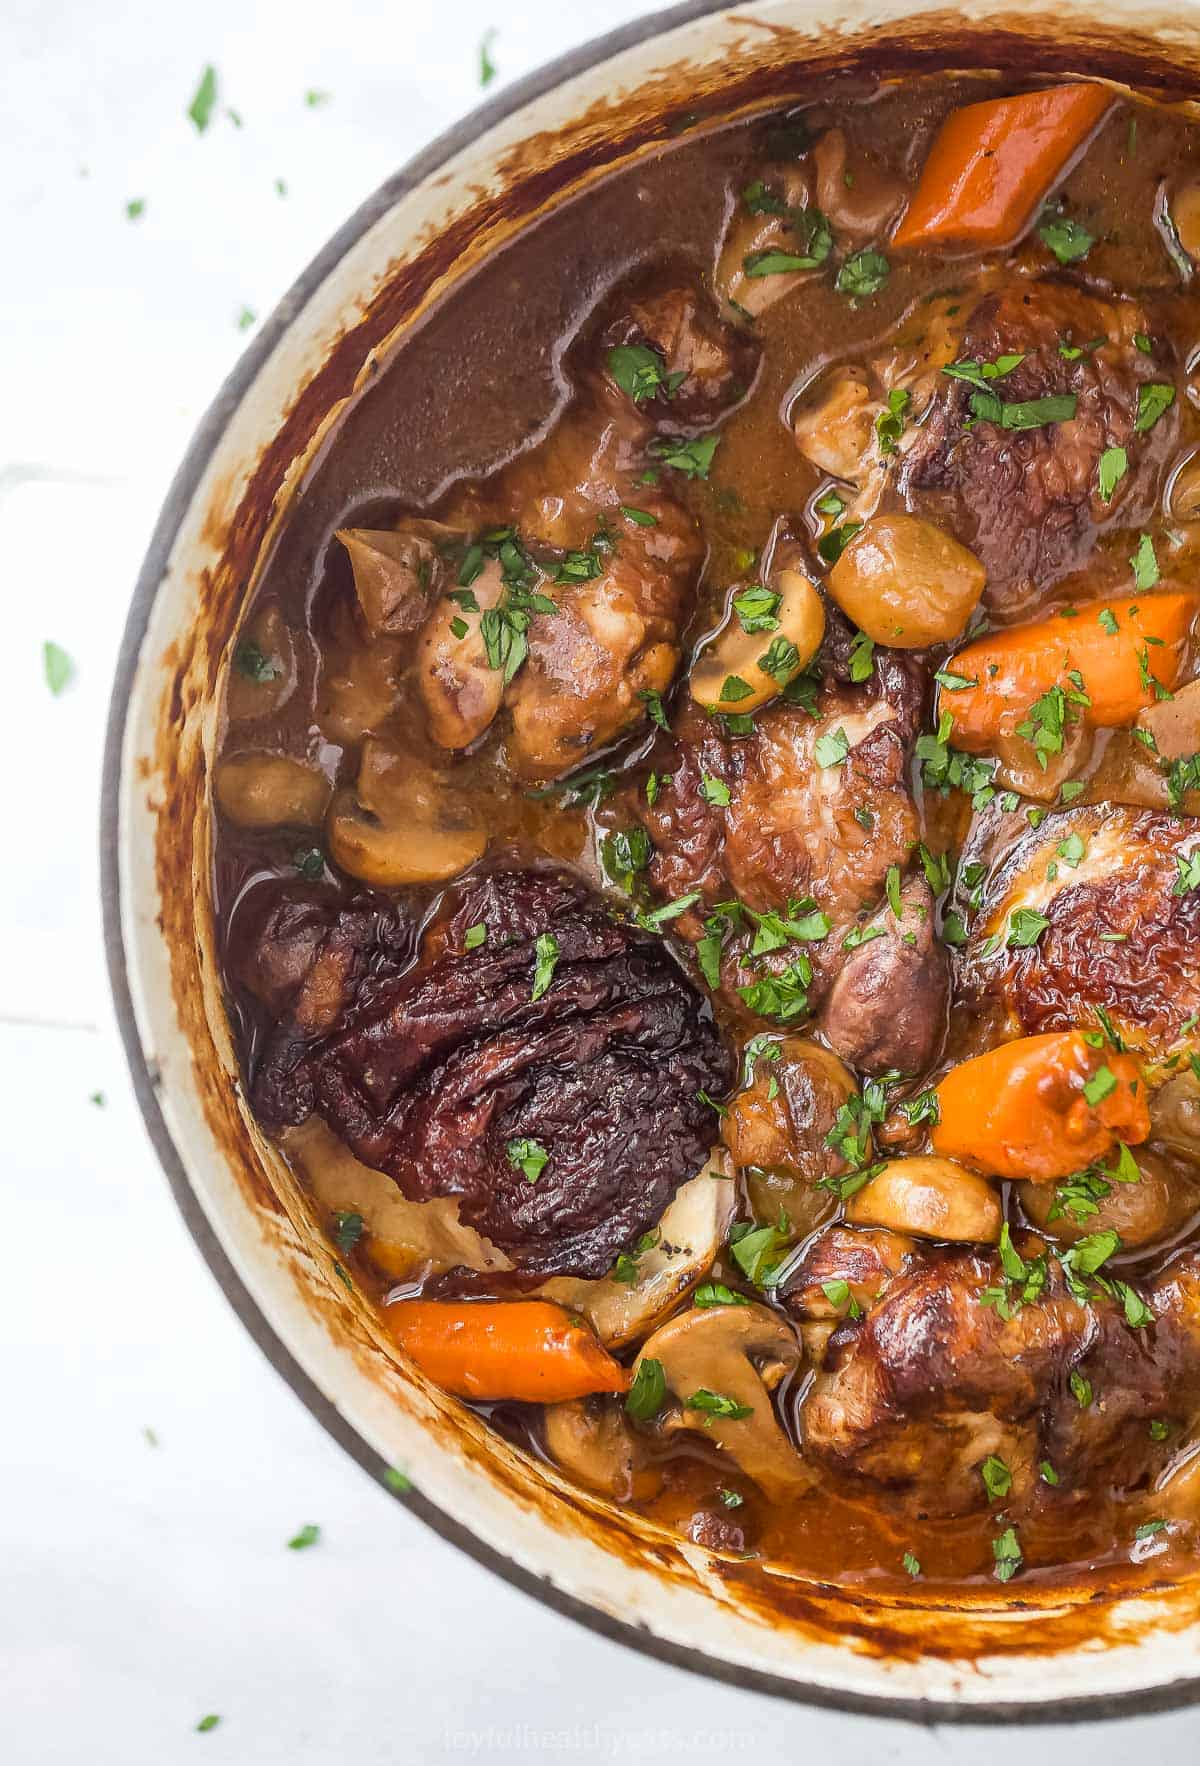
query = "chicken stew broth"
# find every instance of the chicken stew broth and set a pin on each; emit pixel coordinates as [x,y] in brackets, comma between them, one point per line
[706,861]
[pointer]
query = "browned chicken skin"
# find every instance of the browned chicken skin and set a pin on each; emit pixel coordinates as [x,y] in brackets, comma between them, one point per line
[934,1378]
[1120,933]
[1027,501]
[818,811]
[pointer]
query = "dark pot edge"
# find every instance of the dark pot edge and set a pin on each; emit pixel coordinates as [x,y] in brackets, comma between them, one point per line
[1174,1696]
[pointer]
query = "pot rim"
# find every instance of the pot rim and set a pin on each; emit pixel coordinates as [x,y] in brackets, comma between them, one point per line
[1175,1695]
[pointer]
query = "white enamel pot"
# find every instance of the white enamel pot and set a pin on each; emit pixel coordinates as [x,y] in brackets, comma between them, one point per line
[1004,1654]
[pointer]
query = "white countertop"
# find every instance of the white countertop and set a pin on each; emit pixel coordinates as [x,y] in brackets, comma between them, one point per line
[154,1466]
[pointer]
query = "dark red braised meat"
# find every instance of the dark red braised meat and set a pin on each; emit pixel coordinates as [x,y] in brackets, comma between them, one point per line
[562,1027]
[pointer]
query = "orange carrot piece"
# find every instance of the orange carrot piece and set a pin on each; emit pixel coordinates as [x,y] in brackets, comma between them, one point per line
[1117,649]
[1022,1110]
[525,1349]
[991,165]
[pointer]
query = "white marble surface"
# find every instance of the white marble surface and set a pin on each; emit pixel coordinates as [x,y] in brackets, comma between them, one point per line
[153,1466]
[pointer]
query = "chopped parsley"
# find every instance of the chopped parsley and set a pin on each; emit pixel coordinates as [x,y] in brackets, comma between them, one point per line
[310,862]
[864,273]
[1154,400]
[780,660]
[692,458]
[831,545]
[816,243]
[625,1269]
[528,1157]
[655,709]
[838,1295]
[623,853]
[756,1250]
[889,425]
[475,936]
[1114,464]
[546,954]
[756,608]
[986,407]
[347,1230]
[657,918]
[1144,564]
[716,1404]
[641,372]
[1101,1085]
[911,1564]
[204,100]
[1006,1551]
[1025,928]
[717,1294]
[997,1479]
[58,668]
[1189,873]
[645,1396]
[308,1535]
[862,657]
[487,67]
[832,748]
[1069,240]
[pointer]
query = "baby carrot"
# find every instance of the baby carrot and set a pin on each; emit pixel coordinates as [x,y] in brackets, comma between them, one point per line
[1041,1107]
[992,164]
[1105,657]
[525,1349]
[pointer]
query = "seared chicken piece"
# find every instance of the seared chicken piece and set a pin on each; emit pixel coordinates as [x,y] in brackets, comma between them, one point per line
[1019,489]
[806,814]
[1094,909]
[953,1364]
[1027,500]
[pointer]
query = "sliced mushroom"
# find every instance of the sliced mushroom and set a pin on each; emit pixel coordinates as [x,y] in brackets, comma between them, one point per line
[406,1239]
[592,1441]
[1185,213]
[1183,494]
[858,197]
[1156,1206]
[358,687]
[263,676]
[460,687]
[836,428]
[401,823]
[271,791]
[737,1354]
[929,1198]
[1175,723]
[1031,771]
[394,572]
[750,235]
[740,670]
[906,583]
[689,1236]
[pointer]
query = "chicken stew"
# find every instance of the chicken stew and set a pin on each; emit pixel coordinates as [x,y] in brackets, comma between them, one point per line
[706,847]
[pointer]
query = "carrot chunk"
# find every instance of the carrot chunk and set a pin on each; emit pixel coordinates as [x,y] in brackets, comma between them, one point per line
[525,1349]
[991,165]
[1041,1107]
[1105,657]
